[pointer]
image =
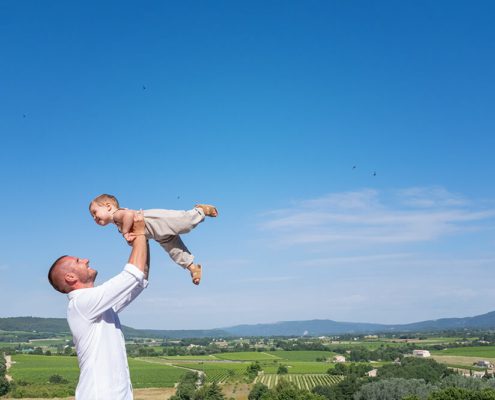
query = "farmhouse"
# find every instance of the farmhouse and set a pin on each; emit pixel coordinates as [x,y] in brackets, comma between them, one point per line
[483,363]
[223,344]
[421,353]
[339,359]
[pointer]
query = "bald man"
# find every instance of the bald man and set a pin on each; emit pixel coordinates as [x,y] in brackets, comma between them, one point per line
[93,319]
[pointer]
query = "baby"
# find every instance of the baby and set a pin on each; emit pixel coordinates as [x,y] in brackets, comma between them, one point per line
[164,226]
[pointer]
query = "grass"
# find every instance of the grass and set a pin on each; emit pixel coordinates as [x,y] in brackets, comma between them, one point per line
[478,351]
[48,342]
[246,356]
[151,375]
[302,355]
[190,358]
[38,369]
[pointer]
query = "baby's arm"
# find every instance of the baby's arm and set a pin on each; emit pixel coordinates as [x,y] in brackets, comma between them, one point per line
[124,219]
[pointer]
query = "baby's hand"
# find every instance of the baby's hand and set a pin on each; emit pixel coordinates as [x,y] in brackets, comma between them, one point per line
[129,237]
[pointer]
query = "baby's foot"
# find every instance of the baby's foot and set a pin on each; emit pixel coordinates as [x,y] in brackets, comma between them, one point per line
[210,211]
[195,270]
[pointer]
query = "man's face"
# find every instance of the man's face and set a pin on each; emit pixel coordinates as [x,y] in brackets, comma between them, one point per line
[80,267]
[102,213]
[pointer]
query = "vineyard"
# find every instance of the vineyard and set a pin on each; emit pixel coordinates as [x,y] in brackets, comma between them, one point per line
[218,372]
[303,381]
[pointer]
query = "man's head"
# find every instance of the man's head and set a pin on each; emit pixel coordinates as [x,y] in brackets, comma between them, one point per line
[102,208]
[68,273]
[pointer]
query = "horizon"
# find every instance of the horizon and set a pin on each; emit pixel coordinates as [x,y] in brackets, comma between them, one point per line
[279,322]
[347,146]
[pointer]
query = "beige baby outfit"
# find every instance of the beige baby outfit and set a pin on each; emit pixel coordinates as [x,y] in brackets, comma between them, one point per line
[165,226]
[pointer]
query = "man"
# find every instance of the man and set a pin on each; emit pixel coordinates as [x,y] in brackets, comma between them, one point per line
[93,319]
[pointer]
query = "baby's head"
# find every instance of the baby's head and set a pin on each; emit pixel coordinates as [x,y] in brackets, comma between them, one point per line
[102,208]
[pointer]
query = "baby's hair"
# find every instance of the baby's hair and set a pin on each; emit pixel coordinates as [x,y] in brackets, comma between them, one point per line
[105,198]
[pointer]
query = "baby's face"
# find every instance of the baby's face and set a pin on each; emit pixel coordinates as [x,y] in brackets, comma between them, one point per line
[102,213]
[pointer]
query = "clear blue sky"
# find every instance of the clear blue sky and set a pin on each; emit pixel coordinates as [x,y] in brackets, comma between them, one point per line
[262,108]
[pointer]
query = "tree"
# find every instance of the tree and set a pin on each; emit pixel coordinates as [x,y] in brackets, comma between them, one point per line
[57,379]
[282,369]
[253,369]
[289,391]
[454,393]
[328,392]
[186,387]
[338,369]
[465,382]
[209,392]
[257,391]
[415,368]
[4,386]
[394,389]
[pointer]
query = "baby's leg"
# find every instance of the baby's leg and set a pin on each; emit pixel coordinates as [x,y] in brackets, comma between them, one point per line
[181,255]
[209,210]
[174,222]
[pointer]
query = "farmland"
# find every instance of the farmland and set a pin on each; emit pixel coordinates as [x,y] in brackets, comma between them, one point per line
[479,351]
[302,355]
[34,372]
[303,381]
[306,367]
[38,369]
[299,367]
[247,356]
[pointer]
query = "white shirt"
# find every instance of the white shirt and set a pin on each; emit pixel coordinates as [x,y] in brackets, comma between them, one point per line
[100,346]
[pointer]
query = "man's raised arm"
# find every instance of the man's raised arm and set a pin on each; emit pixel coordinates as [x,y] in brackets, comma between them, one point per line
[140,249]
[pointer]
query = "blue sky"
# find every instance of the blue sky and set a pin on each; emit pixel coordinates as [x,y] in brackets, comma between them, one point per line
[263,109]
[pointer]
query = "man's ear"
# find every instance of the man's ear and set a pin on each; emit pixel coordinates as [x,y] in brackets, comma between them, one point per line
[70,278]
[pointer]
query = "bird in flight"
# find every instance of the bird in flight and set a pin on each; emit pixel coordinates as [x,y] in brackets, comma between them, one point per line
[353,167]
[144,87]
[374,173]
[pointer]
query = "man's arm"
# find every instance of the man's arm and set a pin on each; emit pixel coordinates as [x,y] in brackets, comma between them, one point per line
[119,291]
[140,249]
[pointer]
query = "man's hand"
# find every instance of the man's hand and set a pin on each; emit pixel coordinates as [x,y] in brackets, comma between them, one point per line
[137,228]
[140,250]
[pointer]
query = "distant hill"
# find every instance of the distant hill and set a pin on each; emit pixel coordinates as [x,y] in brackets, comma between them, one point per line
[288,328]
[60,326]
[35,324]
[329,327]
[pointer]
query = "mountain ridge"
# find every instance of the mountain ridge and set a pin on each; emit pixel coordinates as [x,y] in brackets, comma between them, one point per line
[315,327]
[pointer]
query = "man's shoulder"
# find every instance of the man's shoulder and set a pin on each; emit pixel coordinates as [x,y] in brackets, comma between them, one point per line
[78,292]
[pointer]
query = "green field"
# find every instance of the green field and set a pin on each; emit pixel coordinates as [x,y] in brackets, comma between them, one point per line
[298,367]
[38,369]
[219,372]
[8,345]
[147,375]
[479,351]
[246,356]
[302,381]
[190,358]
[48,342]
[302,355]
